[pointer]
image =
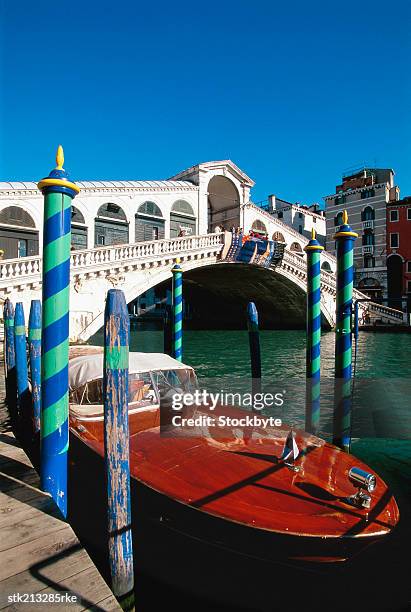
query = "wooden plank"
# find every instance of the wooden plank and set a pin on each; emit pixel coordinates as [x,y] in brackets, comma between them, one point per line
[89,588]
[15,534]
[55,569]
[20,558]
[14,511]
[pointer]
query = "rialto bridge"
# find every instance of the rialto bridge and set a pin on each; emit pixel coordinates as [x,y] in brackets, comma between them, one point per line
[137,267]
[128,234]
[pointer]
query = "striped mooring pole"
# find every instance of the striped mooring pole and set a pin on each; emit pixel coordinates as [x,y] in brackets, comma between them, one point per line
[254,342]
[177,298]
[58,193]
[116,446]
[313,353]
[22,378]
[345,238]
[167,330]
[35,361]
[10,359]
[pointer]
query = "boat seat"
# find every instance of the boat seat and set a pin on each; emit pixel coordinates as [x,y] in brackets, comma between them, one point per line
[85,410]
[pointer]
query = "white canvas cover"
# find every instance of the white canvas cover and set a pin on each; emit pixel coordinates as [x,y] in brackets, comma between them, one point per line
[85,368]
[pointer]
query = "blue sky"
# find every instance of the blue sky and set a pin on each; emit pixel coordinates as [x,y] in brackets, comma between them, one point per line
[292,92]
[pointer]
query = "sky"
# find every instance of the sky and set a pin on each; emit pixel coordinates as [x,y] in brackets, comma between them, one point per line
[293,92]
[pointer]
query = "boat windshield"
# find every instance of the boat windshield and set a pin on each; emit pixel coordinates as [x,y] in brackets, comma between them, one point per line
[141,392]
[171,382]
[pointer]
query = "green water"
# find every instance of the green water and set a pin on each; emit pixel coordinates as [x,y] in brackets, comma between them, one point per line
[381,399]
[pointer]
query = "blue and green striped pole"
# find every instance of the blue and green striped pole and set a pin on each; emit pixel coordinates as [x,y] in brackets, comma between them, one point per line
[313,354]
[20,347]
[345,238]
[58,193]
[177,311]
[116,446]
[10,359]
[35,361]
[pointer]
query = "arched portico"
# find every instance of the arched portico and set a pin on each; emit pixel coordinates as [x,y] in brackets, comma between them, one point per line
[19,236]
[223,203]
[111,225]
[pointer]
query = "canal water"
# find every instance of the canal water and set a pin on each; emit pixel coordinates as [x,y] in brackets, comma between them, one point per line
[381,438]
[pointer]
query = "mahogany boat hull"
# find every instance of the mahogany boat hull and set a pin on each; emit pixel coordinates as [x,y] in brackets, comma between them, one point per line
[159,517]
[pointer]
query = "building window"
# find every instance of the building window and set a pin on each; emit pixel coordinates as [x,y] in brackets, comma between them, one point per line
[340,200]
[408,286]
[394,240]
[315,220]
[409,266]
[368,214]
[393,215]
[367,193]
[300,215]
[280,214]
[22,248]
[300,229]
[368,238]
[100,240]
[369,261]
[338,219]
[409,214]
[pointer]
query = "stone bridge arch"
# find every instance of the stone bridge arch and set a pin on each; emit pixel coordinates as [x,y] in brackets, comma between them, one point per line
[282,288]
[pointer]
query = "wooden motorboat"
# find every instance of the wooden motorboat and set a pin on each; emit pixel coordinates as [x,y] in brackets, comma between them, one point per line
[225,486]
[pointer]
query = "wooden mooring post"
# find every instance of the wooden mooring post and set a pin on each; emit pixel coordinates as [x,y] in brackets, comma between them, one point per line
[255,352]
[20,346]
[34,336]
[116,447]
[313,326]
[10,360]
[58,192]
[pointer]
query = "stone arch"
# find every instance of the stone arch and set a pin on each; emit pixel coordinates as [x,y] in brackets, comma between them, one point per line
[295,247]
[259,227]
[111,225]
[135,284]
[182,219]
[223,203]
[326,266]
[18,234]
[150,222]
[279,237]
[78,230]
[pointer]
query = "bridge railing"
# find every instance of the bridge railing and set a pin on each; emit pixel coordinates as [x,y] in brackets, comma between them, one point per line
[27,267]
[290,230]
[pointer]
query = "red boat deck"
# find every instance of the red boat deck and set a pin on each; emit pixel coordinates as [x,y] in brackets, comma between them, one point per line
[242,480]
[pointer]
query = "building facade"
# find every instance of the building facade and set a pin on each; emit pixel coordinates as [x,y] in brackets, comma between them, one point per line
[365,194]
[399,251]
[302,218]
[117,212]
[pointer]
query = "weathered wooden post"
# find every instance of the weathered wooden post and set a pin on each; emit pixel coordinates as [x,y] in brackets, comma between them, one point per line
[10,359]
[343,335]
[254,342]
[20,347]
[116,446]
[177,311]
[58,193]
[35,361]
[168,330]
[313,353]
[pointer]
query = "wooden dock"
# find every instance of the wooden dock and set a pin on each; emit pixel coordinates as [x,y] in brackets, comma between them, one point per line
[40,555]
